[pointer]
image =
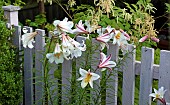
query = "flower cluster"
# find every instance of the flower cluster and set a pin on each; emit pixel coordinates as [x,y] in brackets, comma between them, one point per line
[118,36]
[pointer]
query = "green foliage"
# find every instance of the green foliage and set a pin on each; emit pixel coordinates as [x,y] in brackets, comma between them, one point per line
[40,21]
[14,2]
[10,76]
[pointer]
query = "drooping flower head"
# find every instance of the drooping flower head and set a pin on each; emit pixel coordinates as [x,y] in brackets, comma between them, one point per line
[87,77]
[63,26]
[28,39]
[105,63]
[80,29]
[105,34]
[56,56]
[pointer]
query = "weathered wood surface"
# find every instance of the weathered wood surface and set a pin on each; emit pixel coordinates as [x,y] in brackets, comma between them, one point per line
[146,75]
[112,82]
[28,74]
[39,69]
[164,73]
[129,77]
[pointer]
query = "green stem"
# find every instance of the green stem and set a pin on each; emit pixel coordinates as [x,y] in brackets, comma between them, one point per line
[63,9]
[47,93]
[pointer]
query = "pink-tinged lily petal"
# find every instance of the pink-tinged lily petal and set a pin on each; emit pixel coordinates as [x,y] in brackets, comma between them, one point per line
[105,62]
[143,38]
[125,34]
[155,39]
[65,41]
[104,39]
[80,29]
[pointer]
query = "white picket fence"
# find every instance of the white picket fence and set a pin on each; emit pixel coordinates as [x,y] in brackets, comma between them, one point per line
[33,69]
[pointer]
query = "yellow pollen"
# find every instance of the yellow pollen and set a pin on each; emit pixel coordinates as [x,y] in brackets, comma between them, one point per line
[118,35]
[157,96]
[57,55]
[88,77]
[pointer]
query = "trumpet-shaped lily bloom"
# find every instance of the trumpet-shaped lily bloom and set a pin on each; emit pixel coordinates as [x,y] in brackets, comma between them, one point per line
[28,39]
[87,77]
[105,62]
[159,94]
[80,29]
[104,39]
[118,37]
[63,26]
[72,48]
[77,48]
[105,34]
[56,56]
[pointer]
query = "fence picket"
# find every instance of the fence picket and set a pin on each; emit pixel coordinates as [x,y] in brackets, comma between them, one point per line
[66,80]
[111,92]
[129,77]
[39,70]
[164,73]
[28,75]
[94,63]
[146,76]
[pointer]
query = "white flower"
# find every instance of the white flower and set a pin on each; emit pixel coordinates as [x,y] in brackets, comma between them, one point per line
[118,37]
[71,48]
[80,29]
[105,34]
[28,39]
[56,56]
[159,94]
[87,77]
[63,26]
[105,62]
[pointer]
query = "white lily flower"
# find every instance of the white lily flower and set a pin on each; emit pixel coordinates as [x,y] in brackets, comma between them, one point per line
[28,39]
[105,62]
[159,94]
[87,77]
[125,34]
[63,26]
[56,56]
[104,39]
[118,37]
[77,49]
[80,29]
[105,34]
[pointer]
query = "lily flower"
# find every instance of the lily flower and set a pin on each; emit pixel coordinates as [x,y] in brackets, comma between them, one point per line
[159,95]
[56,56]
[87,77]
[105,34]
[105,62]
[28,39]
[104,39]
[118,37]
[63,26]
[80,29]
[77,48]
[125,34]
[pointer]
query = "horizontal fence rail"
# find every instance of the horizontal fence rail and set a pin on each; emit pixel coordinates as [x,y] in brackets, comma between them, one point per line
[34,73]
